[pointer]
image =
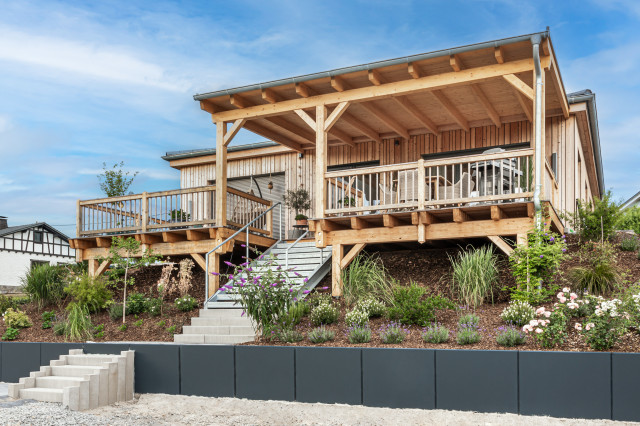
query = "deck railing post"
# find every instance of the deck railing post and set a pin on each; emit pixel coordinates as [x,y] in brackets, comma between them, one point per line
[144,211]
[421,184]
[78,219]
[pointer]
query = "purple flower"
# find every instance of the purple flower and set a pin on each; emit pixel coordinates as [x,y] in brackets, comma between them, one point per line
[552,239]
[242,314]
[243,245]
[325,288]
[306,292]
[215,273]
[541,256]
[229,263]
[305,279]
[274,284]
[564,250]
[297,274]
[230,276]
[290,290]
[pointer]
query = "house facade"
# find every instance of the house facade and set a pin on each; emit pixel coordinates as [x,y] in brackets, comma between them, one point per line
[474,142]
[24,246]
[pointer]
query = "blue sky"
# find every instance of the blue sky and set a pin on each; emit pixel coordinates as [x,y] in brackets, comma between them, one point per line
[82,83]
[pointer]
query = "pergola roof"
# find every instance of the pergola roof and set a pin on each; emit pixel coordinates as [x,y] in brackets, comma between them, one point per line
[458,88]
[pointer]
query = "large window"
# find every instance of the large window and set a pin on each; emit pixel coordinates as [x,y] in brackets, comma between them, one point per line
[37,236]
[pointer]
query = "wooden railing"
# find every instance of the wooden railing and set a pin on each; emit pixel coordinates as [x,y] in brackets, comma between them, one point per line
[424,184]
[167,210]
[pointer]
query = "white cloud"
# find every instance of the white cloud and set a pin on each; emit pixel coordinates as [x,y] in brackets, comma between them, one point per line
[89,59]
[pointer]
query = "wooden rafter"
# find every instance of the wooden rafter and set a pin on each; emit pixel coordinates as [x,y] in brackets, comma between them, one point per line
[335,115]
[386,119]
[455,63]
[491,112]
[422,84]
[343,136]
[519,85]
[360,126]
[499,54]
[376,78]
[271,96]
[292,128]
[526,105]
[276,137]
[359,223]
[235,128]
[460,216]
[303,90]
[556,80]
[414,70]
[451,109]
[416,113]
[497,213]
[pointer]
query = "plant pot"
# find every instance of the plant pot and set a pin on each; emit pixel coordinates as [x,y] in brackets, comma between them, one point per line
[302,222]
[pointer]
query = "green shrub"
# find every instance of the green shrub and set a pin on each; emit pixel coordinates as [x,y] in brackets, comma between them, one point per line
[408,307]
[47,319]
[138,323]
[359,334]
[290,335]
[393,333]
[324,314]
[98,331]
[16,319]
[6,303]
[321,334]
[170,330]
[597,219]
[58,328]
[469,320]
[601,273]
[11,334]
[78,325]
[295,313]
[475,273]
[366,278]
[316,299]
[123,327]
[510,336]
[115,311]
[153,306]
[629,243]
[44,284]
[518,313]
[468,336]
[550,329]
[374,308]
[89,291]
[136,304]
[435,334]
[533,266]
[186,303]
[603,330]
[356,317]
[630,219]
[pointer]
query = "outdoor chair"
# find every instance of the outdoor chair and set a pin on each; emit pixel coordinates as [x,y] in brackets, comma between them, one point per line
[408,184]
[461,189]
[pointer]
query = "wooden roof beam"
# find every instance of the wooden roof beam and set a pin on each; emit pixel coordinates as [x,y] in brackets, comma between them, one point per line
[269,134]
[451,109]
[556,80]
[414,70]
[526,104]
[271,96]
[403,87]
[519,85]
[363,128]
[455,63]
[499,54]
[303,90]
[491,112]
[416,113]
[376,78]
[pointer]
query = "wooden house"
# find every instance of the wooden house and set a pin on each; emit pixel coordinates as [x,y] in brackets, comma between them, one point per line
[479,141]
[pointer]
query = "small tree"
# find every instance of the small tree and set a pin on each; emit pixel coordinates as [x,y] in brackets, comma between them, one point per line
[596,221]
[298,200]
[124,255]
[115,182]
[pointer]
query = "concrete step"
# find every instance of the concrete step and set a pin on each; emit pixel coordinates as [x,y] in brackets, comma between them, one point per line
[42,394]
[221,313]
[217,330]
[212,339]
[57,382]
[74,370]
[213,321]
[89,360]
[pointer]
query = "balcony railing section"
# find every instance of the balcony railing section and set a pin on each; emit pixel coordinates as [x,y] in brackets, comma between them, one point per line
[168,210]
[470,180]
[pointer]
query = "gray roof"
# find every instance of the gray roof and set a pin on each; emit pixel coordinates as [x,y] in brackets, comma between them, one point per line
[190,153]
[19,228]
[631,201]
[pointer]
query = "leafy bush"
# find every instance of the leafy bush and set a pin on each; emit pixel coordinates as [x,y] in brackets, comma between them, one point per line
[468,335]
[366,278]
[393,333]
[597,220]
[6,303]
[44,284]
[153,306]
[296,312]
[510,336]
[550,329]
[78,325]
[98,331]
[58,328]
[123,327]
[356,317]
[435,333]
[629,243]
[115,311]
[601,273]
[359,334]
[321,334]
[290,335]
[138,323]
[533,265]
[408,307]
[324,314]
[469,320]
[475,273]
[136,304]
[170,330]
[604,328]
[186,303]
[518,313]
[89,291]
[16,319]
[630,219]
[47,319]
[316,299]
[11,334]
[373,308]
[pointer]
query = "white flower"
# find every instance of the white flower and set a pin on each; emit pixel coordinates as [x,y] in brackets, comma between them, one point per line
[539,330]
[578,326]
[566,289]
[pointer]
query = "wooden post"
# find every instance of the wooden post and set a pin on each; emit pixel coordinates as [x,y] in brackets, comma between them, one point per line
[521,240]
[214,279]
[93,267]
[336,280]
[78,219]
[221,175]
[145,211]
[321,160]
[421,184]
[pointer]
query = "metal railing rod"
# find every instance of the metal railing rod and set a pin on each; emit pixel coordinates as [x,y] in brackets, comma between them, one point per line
[286,253]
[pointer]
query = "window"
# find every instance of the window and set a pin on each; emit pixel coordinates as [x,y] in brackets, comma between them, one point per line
[37,236]
[35,263]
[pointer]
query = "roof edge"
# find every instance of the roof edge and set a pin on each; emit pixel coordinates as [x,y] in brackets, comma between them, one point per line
[193,153]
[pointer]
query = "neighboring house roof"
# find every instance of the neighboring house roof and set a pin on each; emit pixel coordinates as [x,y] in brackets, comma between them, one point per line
[19,228]
[631,201]
[590,98]
[178,155]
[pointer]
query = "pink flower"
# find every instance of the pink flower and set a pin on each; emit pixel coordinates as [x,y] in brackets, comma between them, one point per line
[578,326]
[588,327]
[560,295]
[547,314]
[527,328]
[540,311]
[533,323]
[562,299]
[566,289]
[573,296]
[538,330]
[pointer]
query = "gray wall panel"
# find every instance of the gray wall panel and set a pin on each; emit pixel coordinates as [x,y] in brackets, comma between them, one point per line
[329,375]
[207,370]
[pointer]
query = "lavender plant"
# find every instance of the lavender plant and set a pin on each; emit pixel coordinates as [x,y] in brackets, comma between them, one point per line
[510,336]
[359,334]
[321,334]
[393,333]
[435,333]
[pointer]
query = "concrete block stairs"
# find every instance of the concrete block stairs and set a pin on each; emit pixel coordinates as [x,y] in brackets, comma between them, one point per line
[222,321]
[80,381]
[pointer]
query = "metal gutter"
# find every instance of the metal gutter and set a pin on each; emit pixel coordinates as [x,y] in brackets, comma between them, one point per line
[372,65]
[590,98]
[191,153]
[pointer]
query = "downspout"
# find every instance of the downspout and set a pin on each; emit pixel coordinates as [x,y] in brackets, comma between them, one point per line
[536,39]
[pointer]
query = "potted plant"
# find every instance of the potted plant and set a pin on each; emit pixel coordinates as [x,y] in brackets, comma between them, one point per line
[298,200]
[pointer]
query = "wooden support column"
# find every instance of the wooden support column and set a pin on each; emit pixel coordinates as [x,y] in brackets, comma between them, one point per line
[522,240]
[93,267]
[336,279]
[214,279]
[145,211]
[355,250]
[221,174]
[321,160]
[200,261]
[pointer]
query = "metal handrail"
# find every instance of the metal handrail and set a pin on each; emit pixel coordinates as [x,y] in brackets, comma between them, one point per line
[245,227]
[286,253]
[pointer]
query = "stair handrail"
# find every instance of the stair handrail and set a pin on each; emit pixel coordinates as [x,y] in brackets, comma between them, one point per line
[245,227]
[286,252]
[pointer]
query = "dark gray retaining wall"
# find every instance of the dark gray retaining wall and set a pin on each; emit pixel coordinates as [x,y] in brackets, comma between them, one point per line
[559,384]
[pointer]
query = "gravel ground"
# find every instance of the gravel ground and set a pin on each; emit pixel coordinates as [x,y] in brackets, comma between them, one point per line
[158,409]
